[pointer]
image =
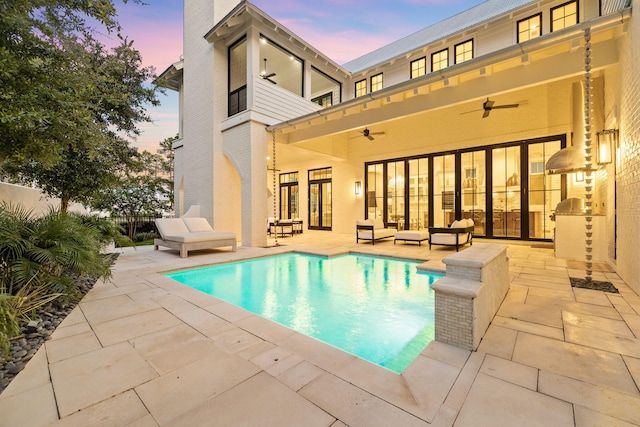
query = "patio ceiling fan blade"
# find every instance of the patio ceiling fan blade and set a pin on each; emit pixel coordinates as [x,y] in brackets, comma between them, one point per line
[488,105]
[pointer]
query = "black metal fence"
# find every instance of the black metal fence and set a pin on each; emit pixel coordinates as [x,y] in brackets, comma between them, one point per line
[132,226]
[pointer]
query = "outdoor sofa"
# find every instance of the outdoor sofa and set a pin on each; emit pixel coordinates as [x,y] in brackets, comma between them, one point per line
[191,233]
[374,229]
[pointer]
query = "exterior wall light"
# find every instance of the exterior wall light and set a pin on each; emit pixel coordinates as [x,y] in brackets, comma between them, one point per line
[606,141]
[358,188]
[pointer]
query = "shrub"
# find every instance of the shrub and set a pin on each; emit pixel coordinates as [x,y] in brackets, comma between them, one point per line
[142,237]
[37,252]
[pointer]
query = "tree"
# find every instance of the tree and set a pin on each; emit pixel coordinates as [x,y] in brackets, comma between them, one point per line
[38,82]
[99,95]
[144,189]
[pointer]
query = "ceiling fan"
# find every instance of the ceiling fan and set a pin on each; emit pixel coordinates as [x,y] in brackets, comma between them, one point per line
[488,105]
[368,134]
[266,76]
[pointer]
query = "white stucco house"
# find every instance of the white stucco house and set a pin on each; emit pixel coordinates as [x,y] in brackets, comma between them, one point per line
[458,120]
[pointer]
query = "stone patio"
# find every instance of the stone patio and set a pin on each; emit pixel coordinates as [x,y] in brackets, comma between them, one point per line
[143,350]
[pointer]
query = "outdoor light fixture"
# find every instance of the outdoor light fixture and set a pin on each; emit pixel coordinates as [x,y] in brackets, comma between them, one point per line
[606,141]
[358,188]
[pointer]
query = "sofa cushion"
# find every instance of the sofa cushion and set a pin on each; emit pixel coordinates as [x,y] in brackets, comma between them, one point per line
[469,222]
[197,225]
[448,239]
[171,226]
[363,222]
[459,224]
[378,224]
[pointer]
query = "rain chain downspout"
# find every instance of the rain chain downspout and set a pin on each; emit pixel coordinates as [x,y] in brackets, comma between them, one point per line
[275,200]
[587,150]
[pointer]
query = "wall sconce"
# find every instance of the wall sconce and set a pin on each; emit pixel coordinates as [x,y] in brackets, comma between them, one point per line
[358,188]
[606,141]
[579,176]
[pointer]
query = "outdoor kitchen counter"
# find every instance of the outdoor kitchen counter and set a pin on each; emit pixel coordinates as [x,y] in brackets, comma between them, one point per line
[570,237]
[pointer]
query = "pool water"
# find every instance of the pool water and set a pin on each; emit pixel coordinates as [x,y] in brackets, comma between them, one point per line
[379,309]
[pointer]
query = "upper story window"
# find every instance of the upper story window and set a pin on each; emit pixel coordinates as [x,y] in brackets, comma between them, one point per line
[463,51]
[418,67]
[440,60]
[564,16]
[376,82]
[361,88]
[324,89]
[237,77]
[325,100]
[529,28]
[280,67]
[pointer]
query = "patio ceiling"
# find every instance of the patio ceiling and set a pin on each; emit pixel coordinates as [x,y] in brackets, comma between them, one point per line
[405,110]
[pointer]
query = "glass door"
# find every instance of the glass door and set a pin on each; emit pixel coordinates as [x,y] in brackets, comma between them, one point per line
[418,194]
[444,185]
[545,191]
[474,190]
[320,199]
[289,195]
[506,194]
[395,193]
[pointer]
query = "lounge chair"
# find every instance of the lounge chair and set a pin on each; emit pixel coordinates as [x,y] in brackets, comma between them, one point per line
[189,233]
[459,233]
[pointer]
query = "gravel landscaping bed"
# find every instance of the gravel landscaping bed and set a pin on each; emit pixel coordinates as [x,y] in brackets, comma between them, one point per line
[25,346]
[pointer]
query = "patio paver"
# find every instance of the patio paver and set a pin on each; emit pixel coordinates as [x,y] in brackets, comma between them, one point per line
[143,350]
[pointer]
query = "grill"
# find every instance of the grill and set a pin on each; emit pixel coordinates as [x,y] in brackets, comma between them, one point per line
[570,206]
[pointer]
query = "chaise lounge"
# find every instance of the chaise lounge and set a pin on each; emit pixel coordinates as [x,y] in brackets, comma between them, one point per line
[188,234]
[459,233]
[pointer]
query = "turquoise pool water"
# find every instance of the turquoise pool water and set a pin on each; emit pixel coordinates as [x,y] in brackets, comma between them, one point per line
[379,309]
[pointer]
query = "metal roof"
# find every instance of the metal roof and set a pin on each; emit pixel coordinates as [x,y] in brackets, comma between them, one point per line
[464,20]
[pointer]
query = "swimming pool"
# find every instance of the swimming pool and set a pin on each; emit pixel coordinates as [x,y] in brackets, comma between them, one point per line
[379,309]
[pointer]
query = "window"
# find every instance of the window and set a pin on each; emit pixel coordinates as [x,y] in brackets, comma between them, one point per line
[237,77]
[418,67]
[440,60]
[529,28]
[564,16]
[536,168]
[376,82]
[361,88]
[325,100]
[464,51]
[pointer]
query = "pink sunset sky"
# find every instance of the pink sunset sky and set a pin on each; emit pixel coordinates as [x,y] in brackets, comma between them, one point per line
[341,29]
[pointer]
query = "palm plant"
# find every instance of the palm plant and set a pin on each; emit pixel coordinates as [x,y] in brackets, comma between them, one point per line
[40,249]
[36,255]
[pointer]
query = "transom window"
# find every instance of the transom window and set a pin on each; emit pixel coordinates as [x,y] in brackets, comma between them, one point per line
[361,88]
[376,82]
[564,16]
[464,51]
[440,60]
[418,67]
[529,28]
